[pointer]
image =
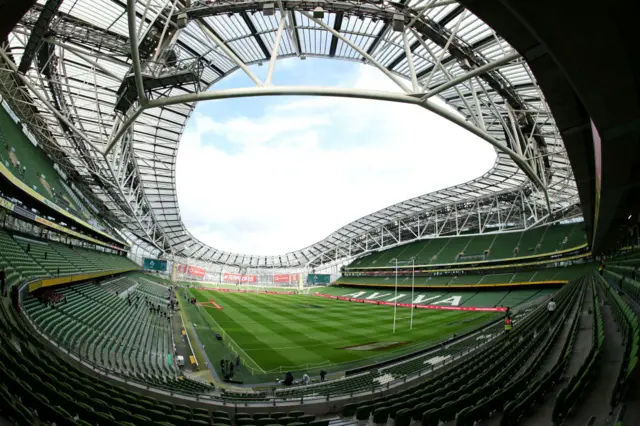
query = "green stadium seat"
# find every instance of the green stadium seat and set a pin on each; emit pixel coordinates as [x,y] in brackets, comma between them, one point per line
[305,418]
[277,415]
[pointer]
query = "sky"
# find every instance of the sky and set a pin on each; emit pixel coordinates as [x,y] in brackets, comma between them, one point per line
[270,175]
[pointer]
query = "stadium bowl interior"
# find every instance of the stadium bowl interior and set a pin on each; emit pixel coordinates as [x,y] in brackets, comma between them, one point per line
[510,299]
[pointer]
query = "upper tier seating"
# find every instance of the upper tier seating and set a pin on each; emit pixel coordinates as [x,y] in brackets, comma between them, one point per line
[17,262]
[546,239]
[27,258]
[549,274]
[31,165]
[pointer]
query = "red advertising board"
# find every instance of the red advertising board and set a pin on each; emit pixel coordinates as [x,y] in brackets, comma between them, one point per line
[233,290]
[195,271]
[239,278]
[285,278]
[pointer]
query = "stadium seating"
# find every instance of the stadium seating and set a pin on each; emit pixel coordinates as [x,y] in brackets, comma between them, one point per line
[17,261]
[627,320]
[481,383]
[548,274]
[128,338]
[30,164]
[30,258]
[34,380]
[50,260]
[577,385]
[444,250]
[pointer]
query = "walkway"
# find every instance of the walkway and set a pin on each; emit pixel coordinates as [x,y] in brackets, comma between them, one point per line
[596,401]
[542,413]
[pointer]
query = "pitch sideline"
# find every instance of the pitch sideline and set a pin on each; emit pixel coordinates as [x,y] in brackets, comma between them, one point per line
[235,345]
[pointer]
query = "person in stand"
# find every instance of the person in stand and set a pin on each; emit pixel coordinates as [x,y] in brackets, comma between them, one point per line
[551,306]
[323,374]
[507,324]
[237,362]
[508,311]
[305,379]
[28,248]
[230,369]
[45,255]
[222,367]
[3,291]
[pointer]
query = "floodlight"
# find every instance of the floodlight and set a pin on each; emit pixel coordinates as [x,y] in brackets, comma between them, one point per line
[318,12]
[398,22]
[269,9]
[182,20]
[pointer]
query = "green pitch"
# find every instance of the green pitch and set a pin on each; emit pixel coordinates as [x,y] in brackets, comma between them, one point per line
[274,333]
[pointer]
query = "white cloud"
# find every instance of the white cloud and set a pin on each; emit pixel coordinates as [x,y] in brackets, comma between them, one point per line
[307,166]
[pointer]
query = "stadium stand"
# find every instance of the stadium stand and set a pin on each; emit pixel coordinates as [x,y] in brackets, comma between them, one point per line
[487,380]
[561,274]
[30,258]
[445,250]
[39,385]
[132,338]
[28,163]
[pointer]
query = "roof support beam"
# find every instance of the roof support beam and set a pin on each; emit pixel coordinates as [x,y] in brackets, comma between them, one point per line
[254,32]
[230,53]
[274,53]
[37,33]
[474,72]
[444,21]
[44,100]
[135,54]
[294,31]
[334,40]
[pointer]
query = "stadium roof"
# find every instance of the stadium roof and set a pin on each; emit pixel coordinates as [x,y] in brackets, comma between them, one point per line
[117,131]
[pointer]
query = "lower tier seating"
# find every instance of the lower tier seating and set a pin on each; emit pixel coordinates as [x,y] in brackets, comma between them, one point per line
[131,335]
[469,389]
[37,386]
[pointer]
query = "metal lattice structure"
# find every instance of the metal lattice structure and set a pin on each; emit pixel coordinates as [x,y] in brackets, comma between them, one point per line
[107,86]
